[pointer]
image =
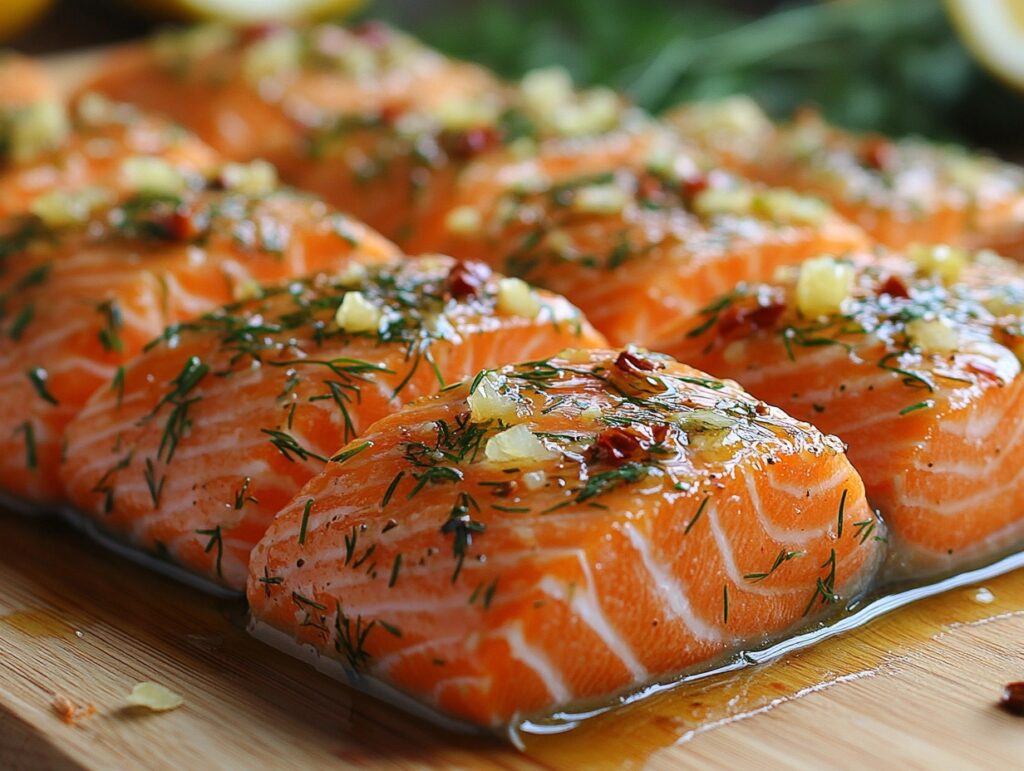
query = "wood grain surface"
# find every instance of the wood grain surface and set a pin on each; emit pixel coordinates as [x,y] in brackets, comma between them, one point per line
[914,689]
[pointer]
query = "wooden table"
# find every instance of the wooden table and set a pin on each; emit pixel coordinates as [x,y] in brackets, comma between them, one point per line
[915,688]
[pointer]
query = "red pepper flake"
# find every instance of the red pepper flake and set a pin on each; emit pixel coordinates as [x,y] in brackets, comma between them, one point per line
[375,33]
[473,141]
[184,224]
[750,319]
[894,287]
[694,186]
[878,153]
[1013,699]
[467,278]
[69,712]
[632,364]
[254,32]
[618,445]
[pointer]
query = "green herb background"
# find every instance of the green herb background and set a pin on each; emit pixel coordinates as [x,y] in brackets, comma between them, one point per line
[891,65]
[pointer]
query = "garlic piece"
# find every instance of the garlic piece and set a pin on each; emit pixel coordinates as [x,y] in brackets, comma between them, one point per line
[357,314]
[946,262]
[154,696]
[517,298]
[255,178]
[152,175]
[487,402]
[600,199]
[518,443]
[933,335]
[464,221]
[823,285]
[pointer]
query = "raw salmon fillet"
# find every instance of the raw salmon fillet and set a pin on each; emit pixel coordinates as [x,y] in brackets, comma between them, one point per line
[79,302]
[901,191]
[372,121]
[94,161]
[918,376]
[631,227]
[23,83]
[562,530]
[217,426]
[267,92]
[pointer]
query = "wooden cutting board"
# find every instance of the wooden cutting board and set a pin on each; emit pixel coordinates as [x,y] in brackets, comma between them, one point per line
[916,688]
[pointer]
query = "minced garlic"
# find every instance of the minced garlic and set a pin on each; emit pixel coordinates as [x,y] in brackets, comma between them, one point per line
[154,696]
[255,178]
[34,129]
[517,298]
[823,285]
[278,54]
[357,314]
[488,402]
[60,208]
[789,207]
[600,199]
[464,221]
[714,201]
[149,174]
[518,443]
[946,262]
[933,335]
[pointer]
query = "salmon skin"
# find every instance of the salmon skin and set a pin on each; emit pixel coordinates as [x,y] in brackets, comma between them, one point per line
[632,227]
[901,191]
[266,92]
[94,161]
[273,388]
[560,531]
[80,301]
[917,374]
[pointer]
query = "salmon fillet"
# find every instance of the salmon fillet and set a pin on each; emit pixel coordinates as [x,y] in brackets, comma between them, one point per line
[631,227]
[263,92]
[94,162]
[79,302]
[370,120]
[916,374]
[275,387]
[23,82]
[900,191]
[560,531]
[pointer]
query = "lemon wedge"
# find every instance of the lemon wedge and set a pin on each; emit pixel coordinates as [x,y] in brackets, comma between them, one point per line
[244,11]
[993,30]
[17,15]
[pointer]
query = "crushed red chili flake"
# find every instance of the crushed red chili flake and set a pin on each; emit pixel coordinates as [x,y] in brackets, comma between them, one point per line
[694,186]
[617,445]
[465,144]
[69,712]
[466,278]
[894,287]
[375,33]
[1012,700]
[750,319]
[632,364]
[254,32]
[878,153]
[184,224]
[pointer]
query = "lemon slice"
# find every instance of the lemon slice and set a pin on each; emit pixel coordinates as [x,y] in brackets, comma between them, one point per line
[249,10]
[993,30]
[17,15]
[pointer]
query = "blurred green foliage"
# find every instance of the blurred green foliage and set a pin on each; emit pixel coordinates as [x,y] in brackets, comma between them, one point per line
[891,65]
